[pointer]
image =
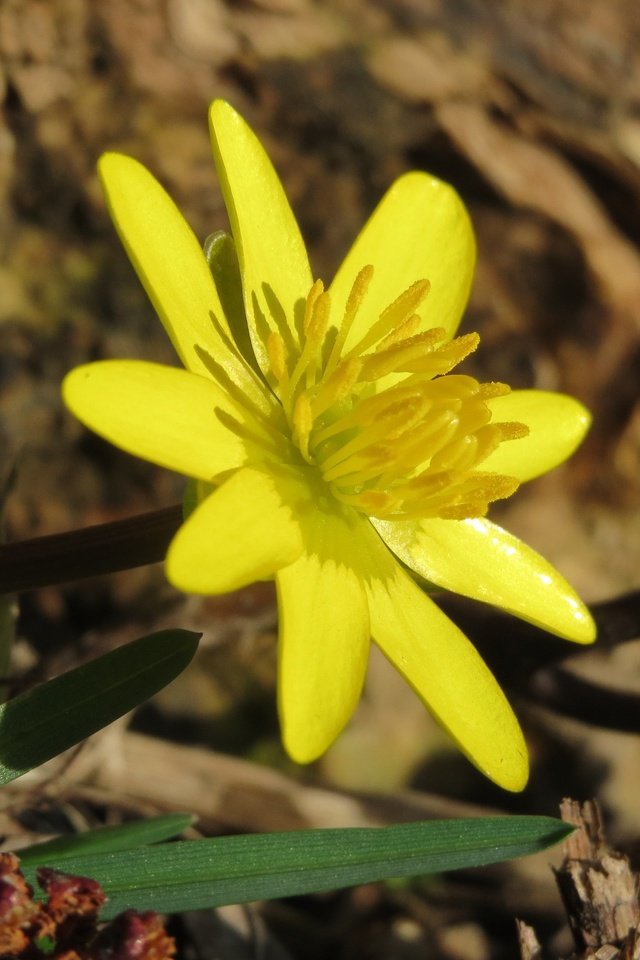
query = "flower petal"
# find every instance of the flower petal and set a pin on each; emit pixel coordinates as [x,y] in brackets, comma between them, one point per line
[478,559]
[172,267]
[324,637]
[273,258]
[447,673]
[162,414]
[244,531]
[420,230]
[557,425]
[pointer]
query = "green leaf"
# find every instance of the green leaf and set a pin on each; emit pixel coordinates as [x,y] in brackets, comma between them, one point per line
[55,715]
[207,873]
[107,839]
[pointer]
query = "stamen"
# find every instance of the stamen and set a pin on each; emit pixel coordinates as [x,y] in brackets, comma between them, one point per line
[455,386]
[444,358]
[367,410]
[302,423]
[406,447]
[338,386]
[316,321]
[275,353]
[316,290]
[460,455]
[398,357]
[512,430]
[493,389]
[390,319]
[403,332]
[354,302]
[374,503]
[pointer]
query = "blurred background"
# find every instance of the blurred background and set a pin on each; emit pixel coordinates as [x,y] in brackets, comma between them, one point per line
[533,112]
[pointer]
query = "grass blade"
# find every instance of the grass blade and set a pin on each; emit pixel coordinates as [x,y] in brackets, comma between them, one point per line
[206,873]
[125,836]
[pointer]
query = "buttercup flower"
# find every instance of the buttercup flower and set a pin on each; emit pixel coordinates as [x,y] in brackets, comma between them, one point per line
[332,445]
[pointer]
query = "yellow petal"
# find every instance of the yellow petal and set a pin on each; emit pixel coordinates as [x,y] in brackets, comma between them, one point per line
[324,637]
[162,414]
[173,269]
[557,425]
[478,559]
[447,673]
[244,531]
[420,230]
[273,259]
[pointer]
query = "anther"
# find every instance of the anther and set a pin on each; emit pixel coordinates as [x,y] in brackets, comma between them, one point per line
[394,315]
[302,423]
[354,302]
[444,358]
[403,332]
[512,430]
[275,352]
[316,290]
[399,357]
[338,386]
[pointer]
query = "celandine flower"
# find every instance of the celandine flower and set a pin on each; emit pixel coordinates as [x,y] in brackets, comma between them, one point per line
[330,440]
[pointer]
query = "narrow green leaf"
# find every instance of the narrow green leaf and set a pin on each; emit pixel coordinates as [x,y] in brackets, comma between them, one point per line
[126,836]
[55,715]
[207,873]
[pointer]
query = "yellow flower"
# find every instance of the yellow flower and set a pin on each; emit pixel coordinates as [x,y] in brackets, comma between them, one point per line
[331,446]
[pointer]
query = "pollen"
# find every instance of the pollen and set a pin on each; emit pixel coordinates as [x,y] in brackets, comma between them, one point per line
[384,421]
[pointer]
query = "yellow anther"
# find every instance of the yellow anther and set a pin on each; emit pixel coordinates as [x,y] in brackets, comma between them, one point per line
[512,430]
[275,352]
[375,503]
[428,483]
[316,322]
[302,424]
[354,302]
[319,319]
[444,358]
[495,486]
[493,389]
[395,314]
[400,356]
[316,290]
[464,511]
[338,386]
[358,293]
[403,332]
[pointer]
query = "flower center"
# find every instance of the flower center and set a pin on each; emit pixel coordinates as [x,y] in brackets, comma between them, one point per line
[390,430]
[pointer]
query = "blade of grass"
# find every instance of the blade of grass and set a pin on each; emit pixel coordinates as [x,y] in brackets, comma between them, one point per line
[206,873]
[55,715]
[125,836]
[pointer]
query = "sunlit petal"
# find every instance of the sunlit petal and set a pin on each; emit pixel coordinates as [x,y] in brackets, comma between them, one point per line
[171,417]
[419,231]
[244,531]
[557,425]
[273,258]
[172,267]
[324,637]
[478,559]
[447,673]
